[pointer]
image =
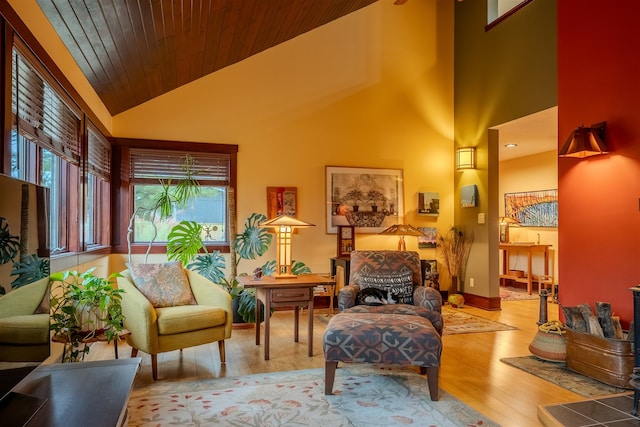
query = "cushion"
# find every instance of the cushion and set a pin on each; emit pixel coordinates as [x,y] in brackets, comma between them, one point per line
[400,285]
[164,285]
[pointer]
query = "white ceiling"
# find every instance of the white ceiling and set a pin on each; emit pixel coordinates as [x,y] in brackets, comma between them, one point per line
[533,134]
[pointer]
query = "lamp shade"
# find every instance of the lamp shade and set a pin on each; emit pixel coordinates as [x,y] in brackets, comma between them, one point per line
[284,226]
[465,158]
[585,142]
[401,230]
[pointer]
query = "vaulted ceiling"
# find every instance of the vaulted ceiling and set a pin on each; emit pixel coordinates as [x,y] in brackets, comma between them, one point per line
[134,50]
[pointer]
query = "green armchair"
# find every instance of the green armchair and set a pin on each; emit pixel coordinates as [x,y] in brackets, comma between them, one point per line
[24,334]
[159,330]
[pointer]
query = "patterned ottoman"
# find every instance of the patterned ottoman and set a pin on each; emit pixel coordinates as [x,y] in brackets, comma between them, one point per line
[384,338]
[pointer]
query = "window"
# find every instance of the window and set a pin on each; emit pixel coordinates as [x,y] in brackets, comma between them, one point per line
[498,10]
[97,190]
[45,146]
[152,170]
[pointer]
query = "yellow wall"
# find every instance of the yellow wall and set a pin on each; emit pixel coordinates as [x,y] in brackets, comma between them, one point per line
[372,89]
[530,173]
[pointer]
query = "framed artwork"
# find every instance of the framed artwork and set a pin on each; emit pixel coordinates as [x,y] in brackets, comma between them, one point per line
[429,204]
[282,201]
[368,199]
[429,239]
[469,196]
[346,240]
[533,208]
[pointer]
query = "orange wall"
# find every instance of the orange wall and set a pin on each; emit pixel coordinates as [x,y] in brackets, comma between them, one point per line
[599,218]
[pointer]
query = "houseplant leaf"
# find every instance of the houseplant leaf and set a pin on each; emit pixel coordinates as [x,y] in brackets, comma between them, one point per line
[210,266]
[254,241]
[184,241]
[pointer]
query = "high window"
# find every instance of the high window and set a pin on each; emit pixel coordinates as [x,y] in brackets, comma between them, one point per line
[46,145]
[498,10]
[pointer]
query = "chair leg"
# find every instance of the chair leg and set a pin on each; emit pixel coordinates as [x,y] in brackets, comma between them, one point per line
[432,381]
[329,376]
[223,356]
[154,366]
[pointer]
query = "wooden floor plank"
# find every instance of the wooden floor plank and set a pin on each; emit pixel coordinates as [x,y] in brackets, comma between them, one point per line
[471,369]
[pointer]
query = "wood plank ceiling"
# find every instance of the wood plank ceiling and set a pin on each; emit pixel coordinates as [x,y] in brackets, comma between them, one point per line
[134,50]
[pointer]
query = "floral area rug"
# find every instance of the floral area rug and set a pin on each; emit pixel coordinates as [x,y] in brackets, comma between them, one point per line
[508,293]
[364,395]
[557,373]
[456,321]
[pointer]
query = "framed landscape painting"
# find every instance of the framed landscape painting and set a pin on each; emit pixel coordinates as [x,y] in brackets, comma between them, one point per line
[367,198]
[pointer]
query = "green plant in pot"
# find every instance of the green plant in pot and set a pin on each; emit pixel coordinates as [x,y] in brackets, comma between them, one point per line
[185,244]
[83,308]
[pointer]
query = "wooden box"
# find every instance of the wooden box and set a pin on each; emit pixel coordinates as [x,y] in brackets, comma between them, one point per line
[516,273]
[607,360]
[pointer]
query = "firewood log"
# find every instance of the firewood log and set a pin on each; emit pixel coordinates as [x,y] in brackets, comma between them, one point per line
[603,310]
[617,327]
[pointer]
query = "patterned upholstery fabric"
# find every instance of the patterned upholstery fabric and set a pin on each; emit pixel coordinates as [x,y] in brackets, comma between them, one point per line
[400,285]
[388,262]
[164,285]
[410,310]
[384,262]
[382,338]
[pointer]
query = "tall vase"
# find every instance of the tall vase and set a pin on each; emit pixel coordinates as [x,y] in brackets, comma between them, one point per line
[454,285]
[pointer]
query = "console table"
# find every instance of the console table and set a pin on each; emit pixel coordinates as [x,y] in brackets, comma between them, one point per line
[530,249]
[74,394]
[296,292]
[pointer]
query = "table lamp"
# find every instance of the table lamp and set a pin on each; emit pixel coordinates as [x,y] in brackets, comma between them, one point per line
[284,226]
[505,222]
[402,230]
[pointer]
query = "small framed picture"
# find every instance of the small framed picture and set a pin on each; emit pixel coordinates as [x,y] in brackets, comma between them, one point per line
[429,204]
[428,239]
[469,196]
[282,201]
[346,240]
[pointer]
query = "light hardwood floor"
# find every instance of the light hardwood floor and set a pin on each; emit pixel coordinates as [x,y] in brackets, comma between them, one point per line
[471,369]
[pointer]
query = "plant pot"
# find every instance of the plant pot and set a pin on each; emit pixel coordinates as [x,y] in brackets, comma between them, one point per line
[456,300]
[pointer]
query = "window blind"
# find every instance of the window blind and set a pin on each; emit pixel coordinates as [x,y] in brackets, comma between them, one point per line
[98,155]
[169,164]
[40,114]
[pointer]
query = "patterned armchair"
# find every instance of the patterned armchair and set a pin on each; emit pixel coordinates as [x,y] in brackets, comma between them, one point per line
[395,271]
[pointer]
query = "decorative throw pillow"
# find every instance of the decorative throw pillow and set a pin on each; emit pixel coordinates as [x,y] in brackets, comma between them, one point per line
[164,285]
[399,286]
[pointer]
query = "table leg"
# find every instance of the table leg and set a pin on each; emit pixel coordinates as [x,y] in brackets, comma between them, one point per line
[529,272]
[257,314]
[296,323]
[310,338]
[267,322]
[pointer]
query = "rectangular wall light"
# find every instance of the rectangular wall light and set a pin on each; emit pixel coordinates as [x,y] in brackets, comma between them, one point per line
[465,158]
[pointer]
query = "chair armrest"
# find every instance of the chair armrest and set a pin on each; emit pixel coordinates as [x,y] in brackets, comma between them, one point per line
[140,317]
[430,299]
[24,300]
[427,297]
[347,296]
[208,293]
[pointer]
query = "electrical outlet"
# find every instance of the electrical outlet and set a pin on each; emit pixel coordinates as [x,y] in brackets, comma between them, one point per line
[471,282]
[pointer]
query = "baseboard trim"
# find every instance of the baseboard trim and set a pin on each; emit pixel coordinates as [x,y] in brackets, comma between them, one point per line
[485,303]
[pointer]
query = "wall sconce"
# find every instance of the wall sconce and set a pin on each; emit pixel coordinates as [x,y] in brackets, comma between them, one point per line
[283,226]
[505,222]
[585,142]
[402,230]
[465,158]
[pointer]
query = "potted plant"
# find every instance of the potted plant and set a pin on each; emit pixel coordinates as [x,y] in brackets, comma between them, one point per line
[185,244]
[454,249]
[84,308]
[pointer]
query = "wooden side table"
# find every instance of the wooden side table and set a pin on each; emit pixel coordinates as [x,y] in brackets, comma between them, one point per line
[296,292]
